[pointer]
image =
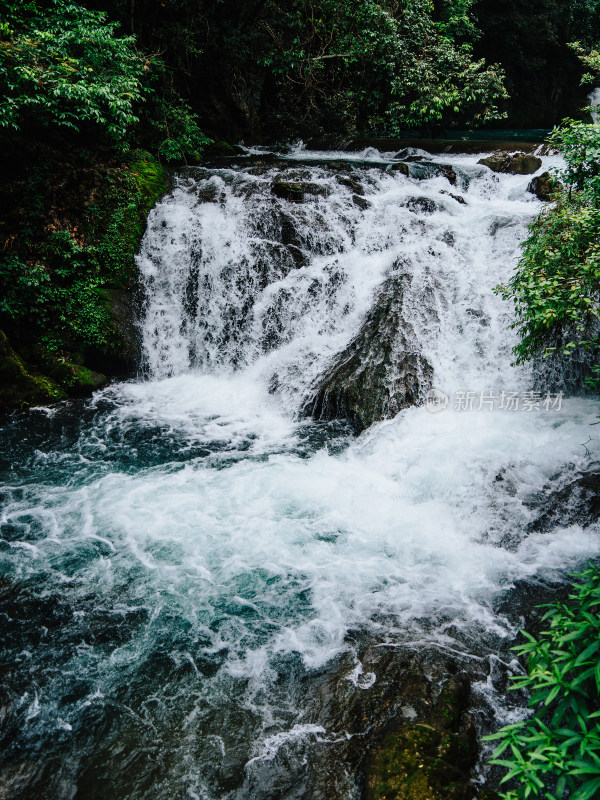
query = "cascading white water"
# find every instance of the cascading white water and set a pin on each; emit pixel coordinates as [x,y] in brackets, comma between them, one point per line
[225,293]
[186,551]
[594,101]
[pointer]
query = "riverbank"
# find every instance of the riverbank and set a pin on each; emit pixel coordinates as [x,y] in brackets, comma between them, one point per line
[67,271]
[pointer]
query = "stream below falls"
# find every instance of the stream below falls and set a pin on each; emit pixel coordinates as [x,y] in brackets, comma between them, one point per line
[187,559]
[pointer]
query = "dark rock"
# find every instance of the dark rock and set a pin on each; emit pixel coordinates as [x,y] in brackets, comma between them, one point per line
[380,372]
[422,205]
[298,256]
[515,163]
[400,167]
[499,223]
[339,166]
[422,170]
[85,381]
[569,500]
[361,202]
[295,192]
[208,193]
[459,198]
[20,386]
[123,305]
[409,713]
[430,759]
[350,183]
[542,186]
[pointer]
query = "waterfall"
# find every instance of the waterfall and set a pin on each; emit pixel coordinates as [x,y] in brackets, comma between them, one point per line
[240,279]
[195,572]
[594,101]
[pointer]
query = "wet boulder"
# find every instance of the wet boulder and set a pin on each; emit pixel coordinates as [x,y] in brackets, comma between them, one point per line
[429,758]
[296,192]
[350,182]
[411,716]
[421,170]
[209,193]
[570,499]
[512,163]
[361,202]
[542,186]
[20,386]
[380,372]
[422,205]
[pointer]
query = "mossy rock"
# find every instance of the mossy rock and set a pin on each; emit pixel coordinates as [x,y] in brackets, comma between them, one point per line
[542,186]
[512,163]
[84,380]
[81,235]
[428,760]
[20,387]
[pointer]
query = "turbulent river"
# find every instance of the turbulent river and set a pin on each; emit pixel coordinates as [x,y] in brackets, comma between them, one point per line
[185,555]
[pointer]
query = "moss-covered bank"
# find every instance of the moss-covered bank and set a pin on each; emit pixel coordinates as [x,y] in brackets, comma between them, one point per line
[430,759]
[67,271]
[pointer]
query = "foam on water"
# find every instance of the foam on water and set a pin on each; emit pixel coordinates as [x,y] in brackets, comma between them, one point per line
[179,552]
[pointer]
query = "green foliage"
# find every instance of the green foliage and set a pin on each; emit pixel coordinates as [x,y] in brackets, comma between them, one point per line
[63,66]
[177,132]
[556,286]
[443,85]
[389,64]
[52,286]
[56,297]
[556,753]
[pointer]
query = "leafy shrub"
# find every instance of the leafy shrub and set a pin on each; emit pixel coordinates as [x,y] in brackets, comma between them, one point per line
[63,66]
[52,284]
[177,131]
[556,753]
[556,286]
[391,64]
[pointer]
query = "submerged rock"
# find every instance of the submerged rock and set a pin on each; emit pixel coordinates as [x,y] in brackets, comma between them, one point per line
[512,163]
[459,198]
[542,186]
[413,734]
[380,372]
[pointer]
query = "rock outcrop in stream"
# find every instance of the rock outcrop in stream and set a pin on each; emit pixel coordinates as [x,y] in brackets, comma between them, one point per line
[380,372]
[512,163]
